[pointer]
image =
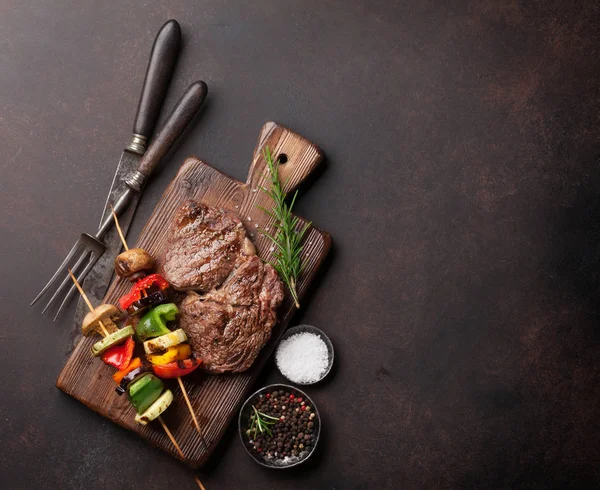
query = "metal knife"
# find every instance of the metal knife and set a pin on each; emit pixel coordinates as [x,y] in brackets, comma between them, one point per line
[161,64]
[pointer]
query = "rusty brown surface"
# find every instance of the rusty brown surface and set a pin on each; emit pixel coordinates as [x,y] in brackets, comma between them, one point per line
[462,189]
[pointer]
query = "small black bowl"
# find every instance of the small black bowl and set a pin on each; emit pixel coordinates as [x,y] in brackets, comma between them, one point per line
[243,427]
[314,330]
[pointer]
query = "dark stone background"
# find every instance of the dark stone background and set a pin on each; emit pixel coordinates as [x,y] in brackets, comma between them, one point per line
[462,190]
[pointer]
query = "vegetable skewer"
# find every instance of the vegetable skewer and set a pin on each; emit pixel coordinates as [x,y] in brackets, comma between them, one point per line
[144,294]
[106,334]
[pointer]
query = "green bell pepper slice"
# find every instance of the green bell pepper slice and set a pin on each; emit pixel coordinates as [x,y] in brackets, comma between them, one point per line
[145,391]
[154,323]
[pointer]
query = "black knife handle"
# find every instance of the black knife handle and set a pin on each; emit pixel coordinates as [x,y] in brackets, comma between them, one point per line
[183,112]
[158,74]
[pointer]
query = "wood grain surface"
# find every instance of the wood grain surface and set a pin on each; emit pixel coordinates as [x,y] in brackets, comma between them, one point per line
[215,398]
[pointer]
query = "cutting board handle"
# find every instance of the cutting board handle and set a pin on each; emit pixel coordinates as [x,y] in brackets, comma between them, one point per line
[298,156]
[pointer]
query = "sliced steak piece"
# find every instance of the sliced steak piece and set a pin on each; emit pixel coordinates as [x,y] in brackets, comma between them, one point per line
[202,247]
[228,327]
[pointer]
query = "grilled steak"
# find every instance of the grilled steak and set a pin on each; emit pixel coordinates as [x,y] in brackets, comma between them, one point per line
[202,247]
[228,327]
[231,319]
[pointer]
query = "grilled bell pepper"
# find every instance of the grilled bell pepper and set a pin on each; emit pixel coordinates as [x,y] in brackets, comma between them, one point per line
[177,368]
[174,353]
[134,364]
[119,356]
[154,323]
[145,391]
[155,281]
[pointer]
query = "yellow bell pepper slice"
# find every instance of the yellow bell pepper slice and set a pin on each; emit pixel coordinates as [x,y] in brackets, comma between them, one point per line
[174,353]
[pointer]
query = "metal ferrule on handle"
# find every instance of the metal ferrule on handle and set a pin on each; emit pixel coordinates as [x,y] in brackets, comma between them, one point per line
[137,144]
[136,181]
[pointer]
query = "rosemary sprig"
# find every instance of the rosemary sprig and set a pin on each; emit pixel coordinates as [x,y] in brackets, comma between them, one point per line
[286,239]
[261,422]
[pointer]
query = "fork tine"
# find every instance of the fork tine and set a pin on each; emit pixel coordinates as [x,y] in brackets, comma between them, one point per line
[67,279]
[58,271]
[90,264]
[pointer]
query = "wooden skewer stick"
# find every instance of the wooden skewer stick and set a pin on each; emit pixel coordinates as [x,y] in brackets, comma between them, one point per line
[87,301]
[199,483]
[170,436]
[119,228]
[187,401]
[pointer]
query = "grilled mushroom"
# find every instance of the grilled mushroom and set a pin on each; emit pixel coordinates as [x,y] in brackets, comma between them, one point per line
[133,263]
[107,314]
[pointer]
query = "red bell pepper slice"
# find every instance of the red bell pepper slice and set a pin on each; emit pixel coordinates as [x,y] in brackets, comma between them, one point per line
[136,291]
[176,368]
[120,355]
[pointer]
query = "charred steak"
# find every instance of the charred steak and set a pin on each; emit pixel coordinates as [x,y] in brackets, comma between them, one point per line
[202,247]
[230,317]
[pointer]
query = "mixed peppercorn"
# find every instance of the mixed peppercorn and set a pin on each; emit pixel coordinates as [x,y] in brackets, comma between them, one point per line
[281,425]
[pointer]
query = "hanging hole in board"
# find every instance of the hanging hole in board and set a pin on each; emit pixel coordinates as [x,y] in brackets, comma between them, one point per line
[282,158]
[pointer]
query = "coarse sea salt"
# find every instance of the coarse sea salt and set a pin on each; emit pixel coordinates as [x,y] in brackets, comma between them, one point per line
[303,357]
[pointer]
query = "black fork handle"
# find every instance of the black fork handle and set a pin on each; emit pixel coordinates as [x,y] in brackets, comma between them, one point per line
[158,74]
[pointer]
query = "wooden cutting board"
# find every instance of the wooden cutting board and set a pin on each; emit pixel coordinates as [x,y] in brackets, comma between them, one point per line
[216,399]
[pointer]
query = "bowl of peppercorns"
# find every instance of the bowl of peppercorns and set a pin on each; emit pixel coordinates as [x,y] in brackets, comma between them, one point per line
[279,426]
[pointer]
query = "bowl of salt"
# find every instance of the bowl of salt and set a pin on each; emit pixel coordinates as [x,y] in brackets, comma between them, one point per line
[304,355]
